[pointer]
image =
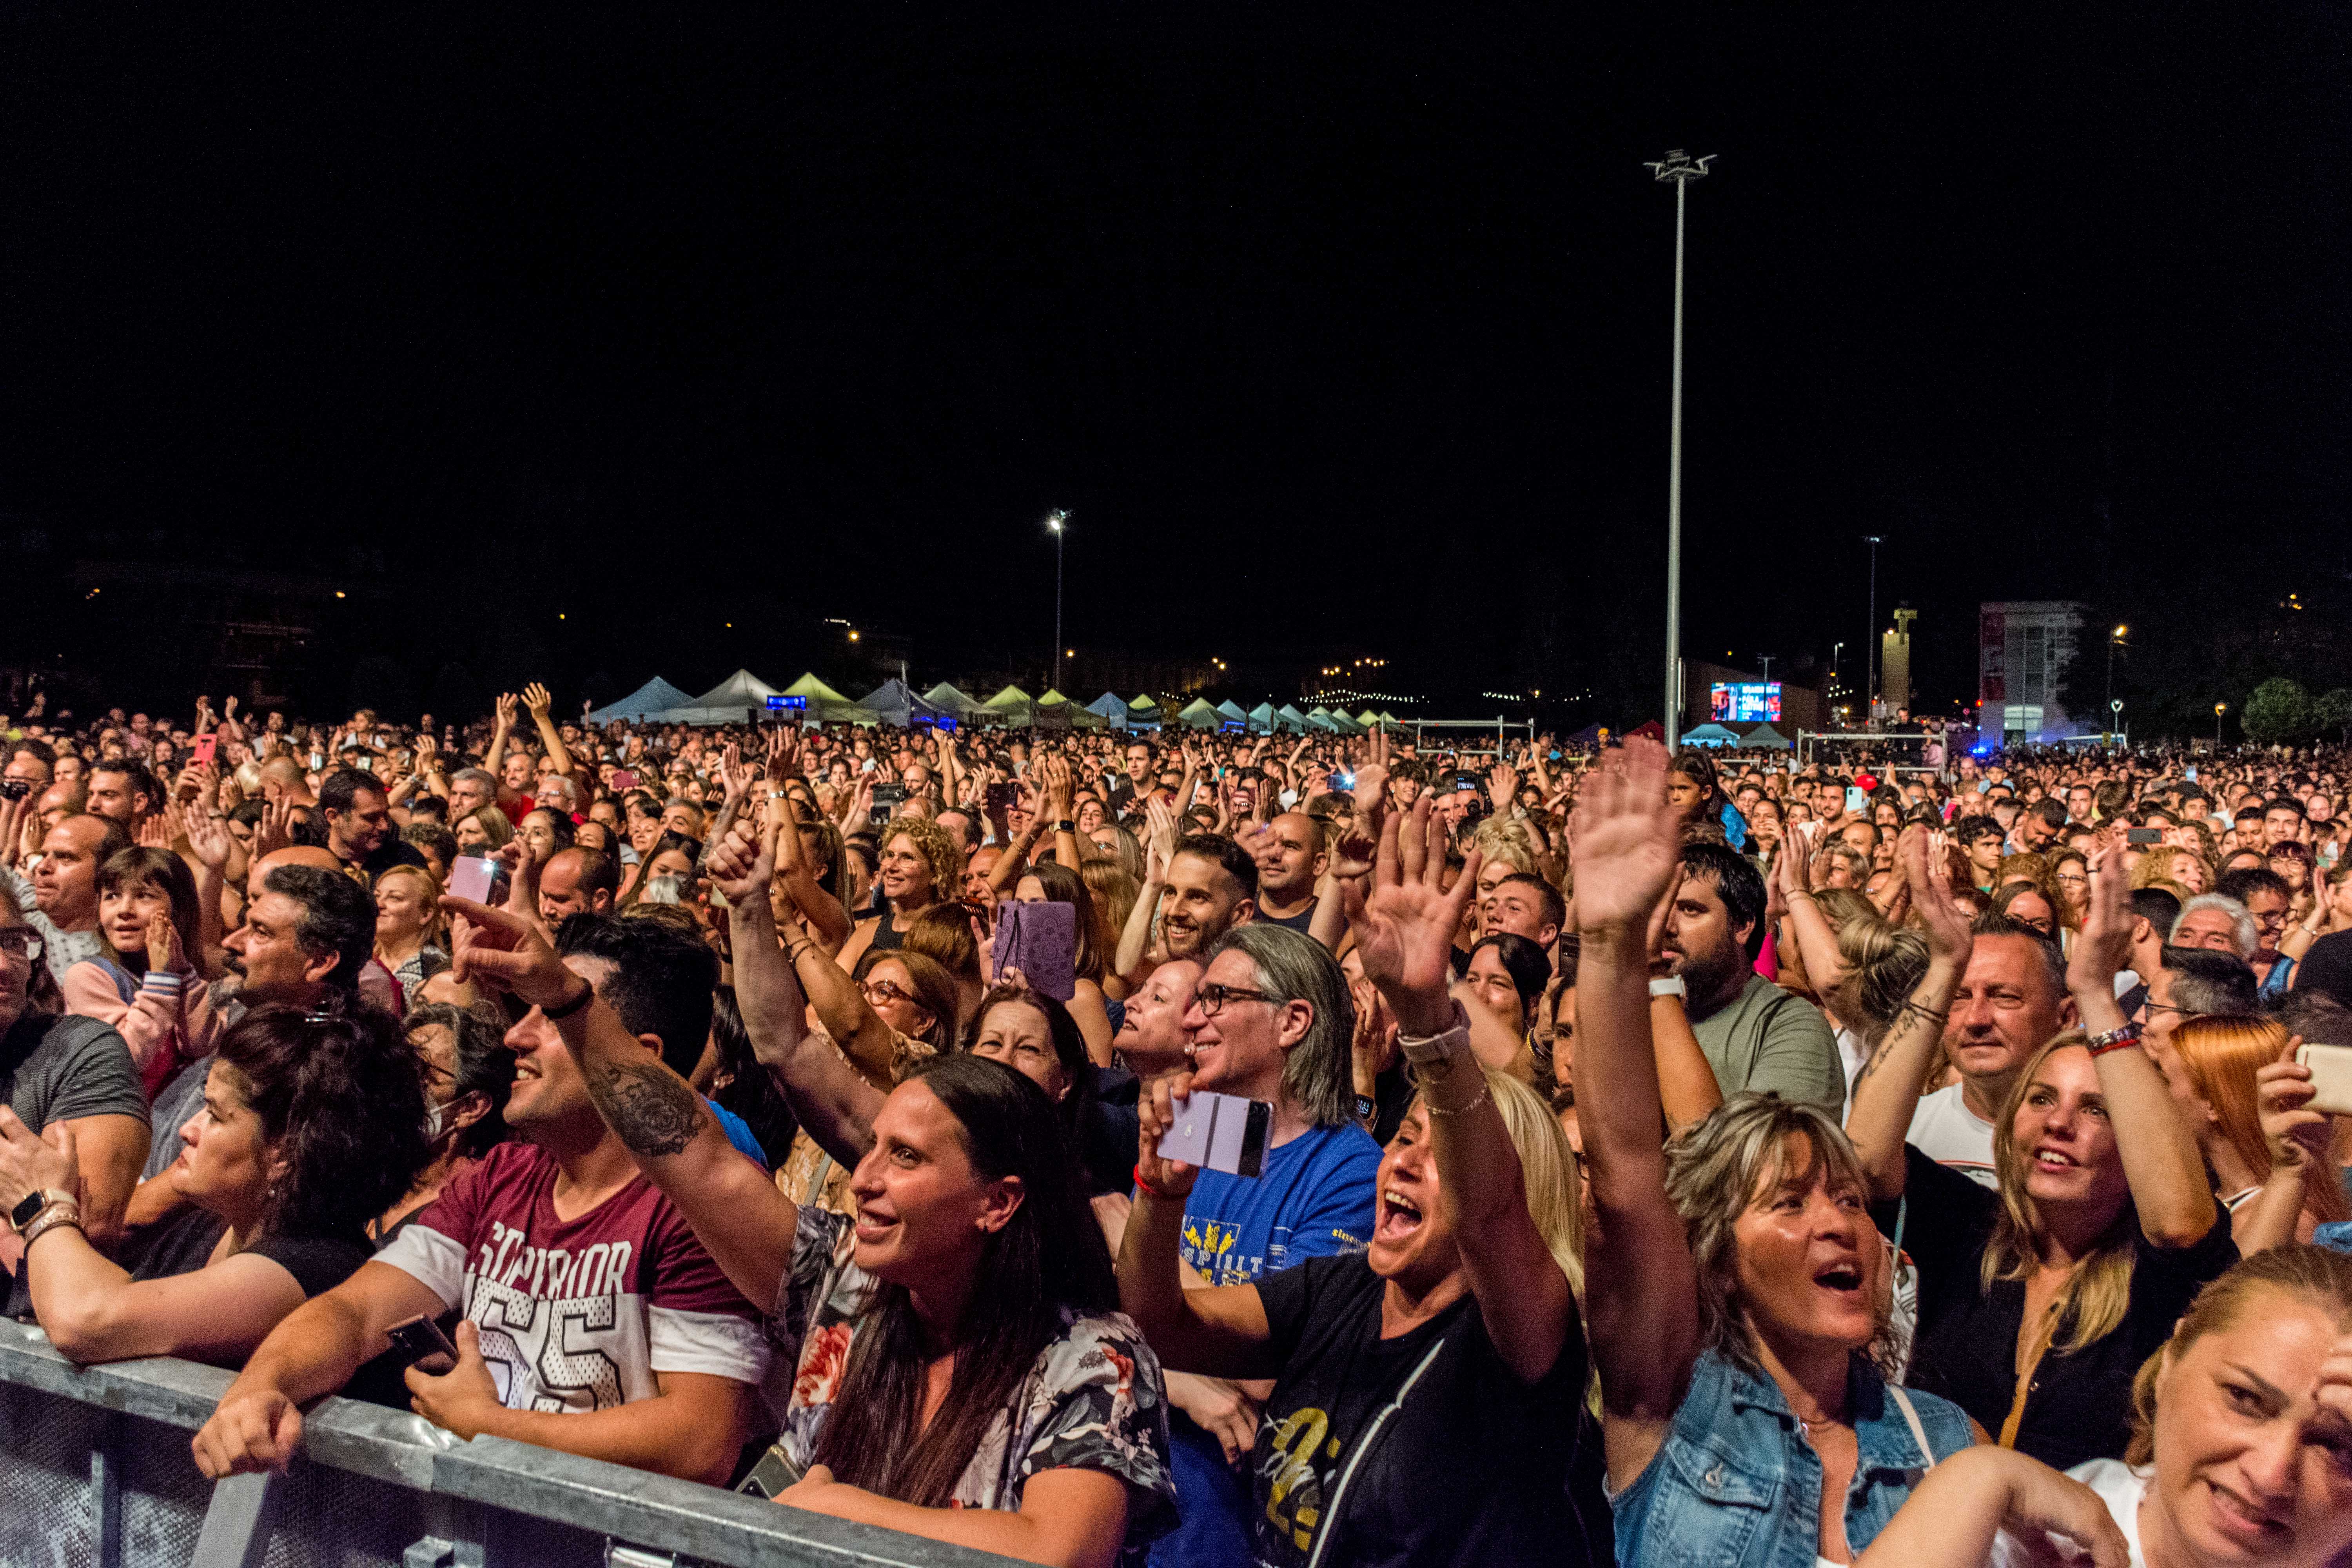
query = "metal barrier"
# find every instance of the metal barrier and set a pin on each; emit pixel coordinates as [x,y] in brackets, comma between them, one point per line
[95,1468]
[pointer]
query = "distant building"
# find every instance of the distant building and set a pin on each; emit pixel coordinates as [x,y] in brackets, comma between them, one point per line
[1894,664]
[2023,648]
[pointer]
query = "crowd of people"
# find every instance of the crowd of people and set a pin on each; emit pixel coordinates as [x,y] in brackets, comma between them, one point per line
[1666,1157]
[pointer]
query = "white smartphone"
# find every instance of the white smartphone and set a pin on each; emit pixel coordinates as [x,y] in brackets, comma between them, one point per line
[2331,1078]
[470,877]
[1219,1133]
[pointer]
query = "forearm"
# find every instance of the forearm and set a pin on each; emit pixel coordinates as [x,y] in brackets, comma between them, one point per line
[313,1352]
[209,883]
[1688,1091]
[71,1283]
[496,754]
[2271,1217]
[663,1434]
[1816,943]
[1330,924]
[1886,1089]
[840,1005]
[1136,938]
[828,922]
[558,757]
[1014,1534]
[2162,1164]
[1011,865]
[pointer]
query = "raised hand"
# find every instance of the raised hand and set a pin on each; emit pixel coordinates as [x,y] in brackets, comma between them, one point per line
[1503,788]
[209,837]
[2103,947]
[742,866]
[1927,873]
[1155,1114]
[2300,1138]
[507,952]
[536,698]
[1625,843]
[1160,837]
[164,955]
[1054,768]
[504,711]
[275,831]
[1404,931]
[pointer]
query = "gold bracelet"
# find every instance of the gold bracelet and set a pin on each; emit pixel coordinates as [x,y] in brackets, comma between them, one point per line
[1485,1088]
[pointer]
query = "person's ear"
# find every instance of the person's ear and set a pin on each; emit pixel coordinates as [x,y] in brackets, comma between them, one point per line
[1291,1022]
[316,969]
[466,1109]
[652,1043]
[1244,911]
[998,1201]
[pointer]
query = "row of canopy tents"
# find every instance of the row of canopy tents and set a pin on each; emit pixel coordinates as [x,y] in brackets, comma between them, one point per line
[743,697]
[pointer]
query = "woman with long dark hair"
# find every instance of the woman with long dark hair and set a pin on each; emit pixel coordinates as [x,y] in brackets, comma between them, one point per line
[963,1374]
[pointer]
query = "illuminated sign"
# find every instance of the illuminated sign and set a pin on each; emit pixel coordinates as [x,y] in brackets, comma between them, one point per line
[781,704]
[1745,702]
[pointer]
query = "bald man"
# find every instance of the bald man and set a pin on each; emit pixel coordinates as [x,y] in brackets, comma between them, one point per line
[282,778]
[577,882]
[1291,860]
[60,899]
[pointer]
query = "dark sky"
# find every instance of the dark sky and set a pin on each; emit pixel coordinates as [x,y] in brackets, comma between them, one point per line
[1340,331]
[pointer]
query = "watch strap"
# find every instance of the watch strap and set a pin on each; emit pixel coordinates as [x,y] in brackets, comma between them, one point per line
[63,1212]
[1669,986]
[1423,1049]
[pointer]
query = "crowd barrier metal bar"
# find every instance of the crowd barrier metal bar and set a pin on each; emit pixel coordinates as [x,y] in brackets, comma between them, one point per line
[489,1503]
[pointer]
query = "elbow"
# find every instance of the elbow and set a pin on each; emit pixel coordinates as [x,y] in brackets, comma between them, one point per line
[80,1332]
[2176,1233]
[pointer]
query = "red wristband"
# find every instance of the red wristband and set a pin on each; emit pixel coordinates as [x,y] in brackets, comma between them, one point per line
[1148,1190]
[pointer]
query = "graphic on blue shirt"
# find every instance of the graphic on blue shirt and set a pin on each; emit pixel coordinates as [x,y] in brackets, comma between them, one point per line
[1314,1199]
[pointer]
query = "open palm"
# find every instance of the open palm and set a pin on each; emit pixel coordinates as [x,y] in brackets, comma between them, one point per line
[1404,929]
[1624,841]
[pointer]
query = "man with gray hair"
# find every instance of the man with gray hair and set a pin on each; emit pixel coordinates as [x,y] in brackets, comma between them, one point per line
[470,789]
[1271,1020]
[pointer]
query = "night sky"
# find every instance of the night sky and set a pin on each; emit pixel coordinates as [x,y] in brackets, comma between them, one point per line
[1341,332]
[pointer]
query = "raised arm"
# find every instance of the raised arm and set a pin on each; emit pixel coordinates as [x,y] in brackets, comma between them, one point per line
[2301,1145]
[501,730]
[1216,1330]
[558,757]
[832,1100]
[1886,1089]
[733,1208]
[828,921]
[1817,944]
[1405,934]
[1687,1090]
[1641,1288]
[2161,1160]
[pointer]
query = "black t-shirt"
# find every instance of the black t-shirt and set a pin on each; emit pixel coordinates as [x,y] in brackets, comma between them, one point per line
[393,851]
[1297,922]
[1107,1134]
[1966,1348]
[185,1244]
[1473,1467]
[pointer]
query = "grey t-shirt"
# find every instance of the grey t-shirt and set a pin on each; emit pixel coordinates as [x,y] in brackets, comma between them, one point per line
[1773,1041]
[62,1068]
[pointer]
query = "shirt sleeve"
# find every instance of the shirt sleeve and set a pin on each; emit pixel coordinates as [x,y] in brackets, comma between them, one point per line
[432,1246]
[696,1319]
[1338,1217]
[97,1078]
[318,1263]
[1798,1057]
[1103,1407]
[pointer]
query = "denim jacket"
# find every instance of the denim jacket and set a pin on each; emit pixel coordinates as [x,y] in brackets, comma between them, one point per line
[1736,1485]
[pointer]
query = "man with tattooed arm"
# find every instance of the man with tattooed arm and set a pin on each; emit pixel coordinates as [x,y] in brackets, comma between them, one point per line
[590,1319]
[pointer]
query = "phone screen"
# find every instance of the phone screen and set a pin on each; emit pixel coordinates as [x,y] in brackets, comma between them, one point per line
[1855,797]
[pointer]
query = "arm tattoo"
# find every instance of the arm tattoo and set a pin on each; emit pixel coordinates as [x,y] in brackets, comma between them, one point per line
[1907,1022]
[650,1107]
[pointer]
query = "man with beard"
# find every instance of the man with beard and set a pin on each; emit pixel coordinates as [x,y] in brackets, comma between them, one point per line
[359,825]
[1755,1035]
[1212,889]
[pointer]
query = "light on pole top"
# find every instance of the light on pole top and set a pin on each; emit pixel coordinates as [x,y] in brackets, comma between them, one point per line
[1055,518]
[1679,165]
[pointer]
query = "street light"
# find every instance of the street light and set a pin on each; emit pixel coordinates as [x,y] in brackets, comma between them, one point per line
[1054,521]
[1681,168]
[1870,648]
[2218,707]
[2114,641]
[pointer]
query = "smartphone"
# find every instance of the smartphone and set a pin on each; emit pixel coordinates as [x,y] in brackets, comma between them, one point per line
[1856,797]
[1340,782]
[2190,772]
[14,789]
[201,750]
[1040,940]
[1003,794]
[2331,1078]
[1220,1133]
[885,797]
[421,1342]
[2146,836]
[470,877]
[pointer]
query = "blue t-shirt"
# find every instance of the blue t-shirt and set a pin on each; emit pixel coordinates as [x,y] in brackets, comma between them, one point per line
[1314,1199]
[738,1132]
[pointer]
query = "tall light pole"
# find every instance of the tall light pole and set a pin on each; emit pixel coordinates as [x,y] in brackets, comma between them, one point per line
[2114,641]
[1870,648]
[1682,169]
[1055,520]
[2218,707]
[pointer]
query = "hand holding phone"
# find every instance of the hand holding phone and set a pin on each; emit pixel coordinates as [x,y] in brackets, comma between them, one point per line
[2331,1078]
[421,1343]
[1219,1133]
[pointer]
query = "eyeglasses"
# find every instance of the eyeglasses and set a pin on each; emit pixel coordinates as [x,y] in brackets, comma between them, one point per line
[1212,998]
[20,942]
[2169,1007]
[884,991]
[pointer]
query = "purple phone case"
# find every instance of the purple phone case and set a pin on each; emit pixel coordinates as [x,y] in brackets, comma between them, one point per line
[1040,940]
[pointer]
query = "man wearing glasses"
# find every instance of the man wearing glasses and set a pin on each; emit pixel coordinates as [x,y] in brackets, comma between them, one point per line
[1271,1020]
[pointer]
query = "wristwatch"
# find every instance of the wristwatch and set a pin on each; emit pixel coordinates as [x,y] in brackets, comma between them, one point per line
[30,1206]
[1669,986]
[1422,1051]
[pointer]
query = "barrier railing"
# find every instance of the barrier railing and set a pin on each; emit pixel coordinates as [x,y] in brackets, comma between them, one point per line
[95,1468]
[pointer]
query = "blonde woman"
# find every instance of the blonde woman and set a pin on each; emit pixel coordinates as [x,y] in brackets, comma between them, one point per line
[1457,1324]
[412,934]
[2038,1301]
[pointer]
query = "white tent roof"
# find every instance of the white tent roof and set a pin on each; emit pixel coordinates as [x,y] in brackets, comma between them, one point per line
[655,696]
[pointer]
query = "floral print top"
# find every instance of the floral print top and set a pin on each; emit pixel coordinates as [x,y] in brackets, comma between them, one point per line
[1094,1400]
